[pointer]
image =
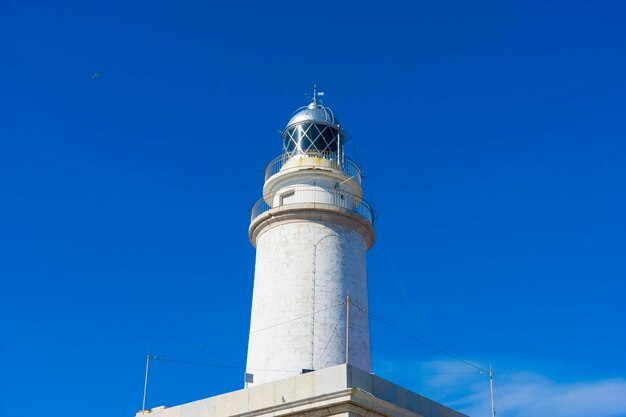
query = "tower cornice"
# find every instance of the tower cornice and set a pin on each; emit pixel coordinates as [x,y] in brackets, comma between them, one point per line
[315,212]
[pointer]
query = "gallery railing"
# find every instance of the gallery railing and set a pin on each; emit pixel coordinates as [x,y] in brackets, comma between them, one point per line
[348,166]
[300,195]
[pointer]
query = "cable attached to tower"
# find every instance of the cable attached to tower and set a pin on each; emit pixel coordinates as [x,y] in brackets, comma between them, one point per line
[425,343]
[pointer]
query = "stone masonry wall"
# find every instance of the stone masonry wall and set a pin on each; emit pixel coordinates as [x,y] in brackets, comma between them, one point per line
[304,267]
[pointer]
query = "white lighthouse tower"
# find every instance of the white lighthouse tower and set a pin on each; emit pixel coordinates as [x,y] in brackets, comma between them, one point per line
[311,230]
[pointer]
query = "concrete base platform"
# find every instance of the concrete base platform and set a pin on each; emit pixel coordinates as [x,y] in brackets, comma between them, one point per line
[342,391]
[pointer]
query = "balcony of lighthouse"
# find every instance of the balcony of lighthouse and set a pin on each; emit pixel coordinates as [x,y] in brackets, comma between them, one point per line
[286,163]
[313,179]
[315,168]
[318,198]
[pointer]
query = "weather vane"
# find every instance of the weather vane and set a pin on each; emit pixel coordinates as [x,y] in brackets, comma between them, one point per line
[316,94]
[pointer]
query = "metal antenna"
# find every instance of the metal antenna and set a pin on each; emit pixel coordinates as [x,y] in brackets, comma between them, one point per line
[493,404]
[145,383]
[490,373]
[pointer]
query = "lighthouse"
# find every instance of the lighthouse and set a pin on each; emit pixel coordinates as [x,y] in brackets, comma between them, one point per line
[311,230]
[309,344]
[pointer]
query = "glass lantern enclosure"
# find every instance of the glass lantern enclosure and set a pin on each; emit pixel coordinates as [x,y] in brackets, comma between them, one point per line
[312,138]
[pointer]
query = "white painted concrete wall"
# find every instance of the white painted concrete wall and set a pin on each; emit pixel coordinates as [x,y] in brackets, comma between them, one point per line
[305,193]
[302,267]
[341,391]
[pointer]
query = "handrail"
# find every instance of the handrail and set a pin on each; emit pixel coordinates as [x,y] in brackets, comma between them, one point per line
[322,195]
[344,164]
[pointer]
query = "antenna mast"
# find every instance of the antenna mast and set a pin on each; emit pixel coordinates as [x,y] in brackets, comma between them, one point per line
[493,404]
[145,383]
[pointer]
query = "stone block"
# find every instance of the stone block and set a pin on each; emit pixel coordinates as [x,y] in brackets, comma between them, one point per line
[360,379]
[305,386]
[401,397]
[261,396]
[383,389]
[240,402]
[330,380]
[223,405]
[204,408]
[284,390]
[166,412]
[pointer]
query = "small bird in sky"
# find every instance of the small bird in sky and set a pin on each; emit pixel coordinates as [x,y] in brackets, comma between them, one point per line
[95,75]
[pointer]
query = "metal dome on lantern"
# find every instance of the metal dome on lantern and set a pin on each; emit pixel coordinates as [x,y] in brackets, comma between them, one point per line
[314,129]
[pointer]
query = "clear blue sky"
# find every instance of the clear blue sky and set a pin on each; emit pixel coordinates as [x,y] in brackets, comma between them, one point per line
[492,135]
